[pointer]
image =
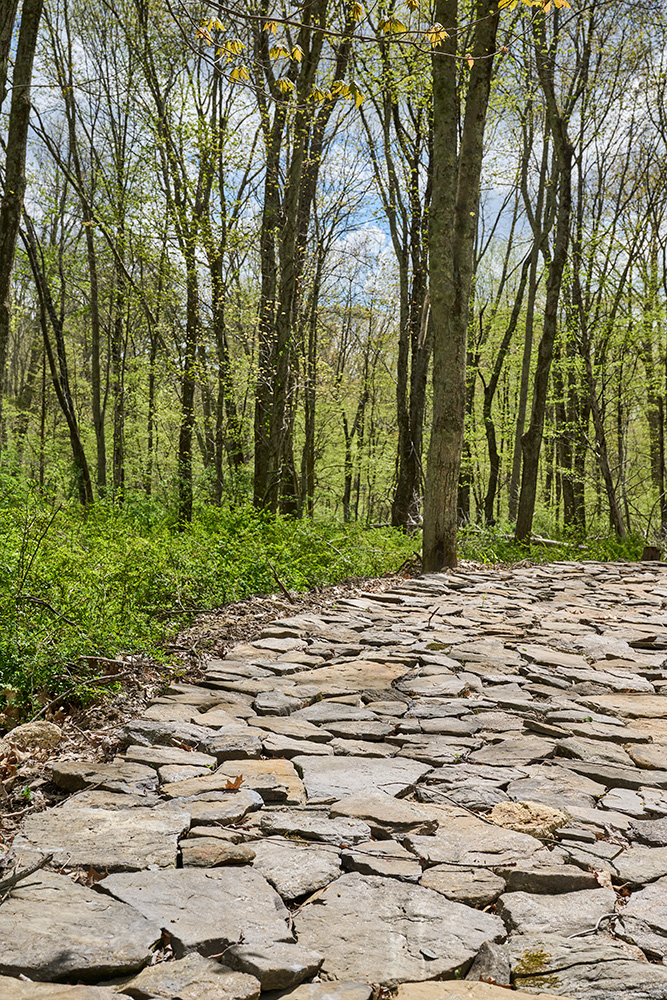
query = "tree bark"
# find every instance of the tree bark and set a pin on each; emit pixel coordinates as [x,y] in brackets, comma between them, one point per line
[452,229]
[15,161]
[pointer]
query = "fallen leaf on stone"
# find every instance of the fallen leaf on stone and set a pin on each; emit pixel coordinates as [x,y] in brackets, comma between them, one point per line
[234,783]
[494,982]
[603,879]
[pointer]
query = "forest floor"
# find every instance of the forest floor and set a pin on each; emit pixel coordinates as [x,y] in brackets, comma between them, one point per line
[440,786]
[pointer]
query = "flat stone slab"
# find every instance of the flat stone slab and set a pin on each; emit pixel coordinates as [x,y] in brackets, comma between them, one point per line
[643,921]
[382,857]
[384,931]
[209,852]
[472,886]
[118,776]
[344,990]
[277,966]
[16,989]
[567,914]
[205,910]
[465,991]
[328,779]
[385,814]
[163,756]
[52,928]
[585,968]
[463,839]
[191,978]
[311,825]
[108,839]
[295,870]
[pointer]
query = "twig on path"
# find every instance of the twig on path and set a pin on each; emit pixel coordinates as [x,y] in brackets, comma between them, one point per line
[93,680]
[8,883]
[280,583]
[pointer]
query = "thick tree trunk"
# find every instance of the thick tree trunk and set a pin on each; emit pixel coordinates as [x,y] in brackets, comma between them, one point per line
[452,229]
[15,159]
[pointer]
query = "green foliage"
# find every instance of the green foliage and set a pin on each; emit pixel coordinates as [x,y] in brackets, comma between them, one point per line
[118,580]
[497,545]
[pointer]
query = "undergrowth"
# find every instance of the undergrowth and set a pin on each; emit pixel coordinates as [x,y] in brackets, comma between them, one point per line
[118,580]
[115,580]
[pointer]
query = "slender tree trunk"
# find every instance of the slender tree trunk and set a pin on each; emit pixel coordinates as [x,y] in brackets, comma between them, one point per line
[8,11]
[15,159]
[531,441]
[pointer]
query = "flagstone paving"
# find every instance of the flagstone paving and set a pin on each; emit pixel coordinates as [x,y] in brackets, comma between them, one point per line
[463,779]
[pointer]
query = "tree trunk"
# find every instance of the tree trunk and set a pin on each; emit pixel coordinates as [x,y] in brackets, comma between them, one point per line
[531,441]
[15,159]
[452,230]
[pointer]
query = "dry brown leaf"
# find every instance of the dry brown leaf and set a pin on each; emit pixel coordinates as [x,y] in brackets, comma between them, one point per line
[234,783]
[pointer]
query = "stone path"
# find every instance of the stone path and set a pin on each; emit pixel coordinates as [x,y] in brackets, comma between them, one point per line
[437,791]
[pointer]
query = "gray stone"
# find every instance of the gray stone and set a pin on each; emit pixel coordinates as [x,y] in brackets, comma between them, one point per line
[513,752]
[208,852]
[328,779]
[162,756]
[385,814]
[463,839]
[643,921]
[323,712]
[616,776]
[344,990]
[233,743]
[474,886]
[192,978]
[222,807]
[16,989]
[313,825]
[556,786]
[275,745]
[295,870]
[51,928]
[652,756]
[584,968]
[639,865]
[276,703]
[294,729]
[491,965]
[277,966]
[357,748]
[377,929]
[568,913]
[550,879]
[180,772]
[205,910]
[374,732]
[383,857]
[652,832]
[151,732]
[593,750]
[112,840]
[118,776]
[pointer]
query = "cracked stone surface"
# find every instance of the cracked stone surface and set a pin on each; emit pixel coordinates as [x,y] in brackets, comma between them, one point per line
[382,770]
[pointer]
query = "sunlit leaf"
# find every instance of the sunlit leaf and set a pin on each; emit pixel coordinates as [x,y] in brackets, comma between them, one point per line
[239,73]
[279,51]
[392,26]
[297,53]
[270,26]
[286,86]
[436,34]
[357,11]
